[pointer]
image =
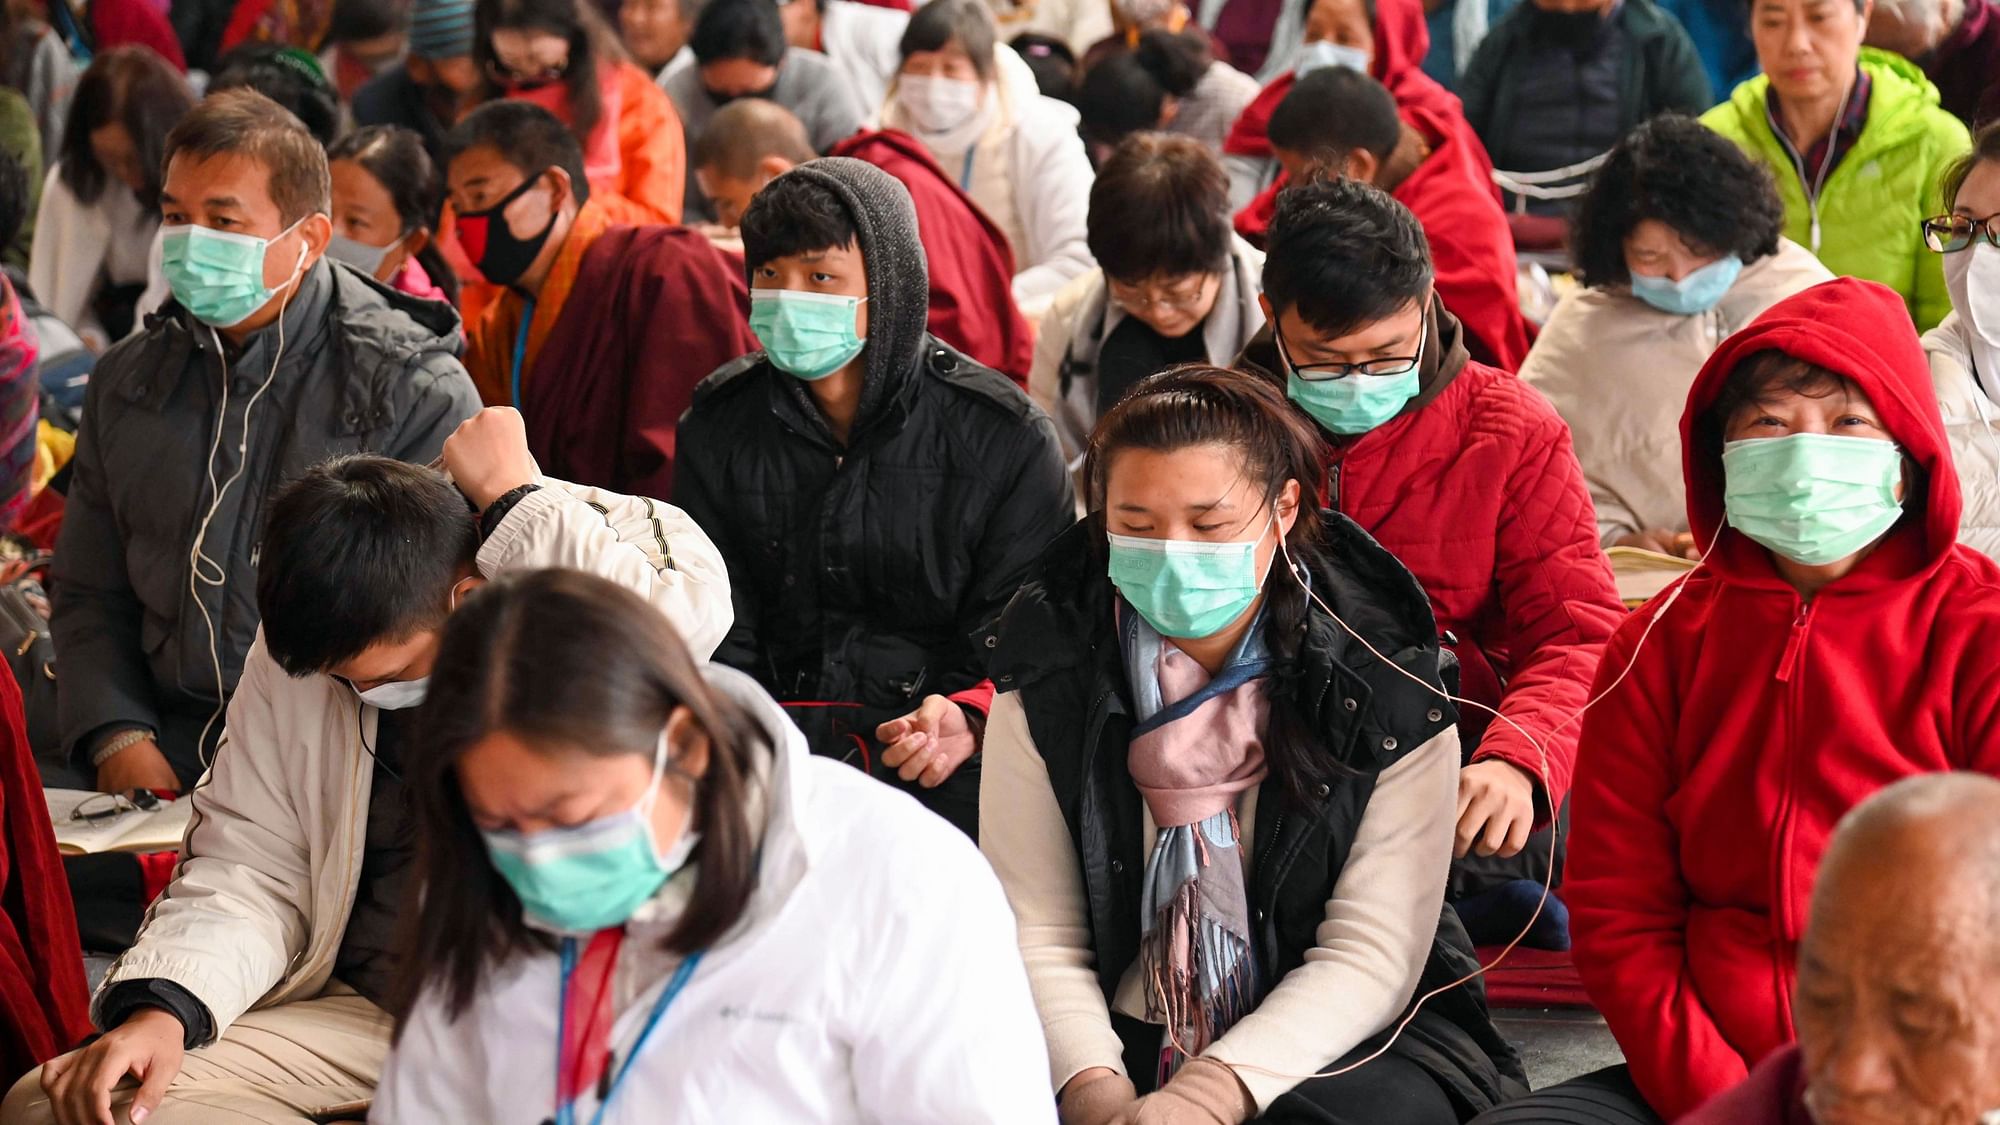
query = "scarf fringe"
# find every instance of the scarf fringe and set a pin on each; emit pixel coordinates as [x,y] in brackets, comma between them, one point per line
[1201,978]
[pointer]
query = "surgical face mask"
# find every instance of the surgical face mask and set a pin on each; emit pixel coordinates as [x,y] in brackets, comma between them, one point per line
[1323,53]
[1187,587]
[368,259]
[219,276]
[1698,292]
[501,256]
[1972,277]
[1813,498]
[935,104]
[594,875]
[396,695]
[1356,403]
[810,335]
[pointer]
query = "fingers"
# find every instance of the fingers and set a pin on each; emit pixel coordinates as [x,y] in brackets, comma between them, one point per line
[1517,835]
[921,751]
[150,1092]
[1498,828]
[1470,821]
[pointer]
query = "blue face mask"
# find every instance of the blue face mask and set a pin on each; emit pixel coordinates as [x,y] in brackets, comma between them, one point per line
[1323,53]
[1813,498]
[219,276]
[1355,403]
[594,875]
[809,335]
[1186,587]
[1698,292]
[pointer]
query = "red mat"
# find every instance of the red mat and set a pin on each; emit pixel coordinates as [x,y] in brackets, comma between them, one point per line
[1532,978]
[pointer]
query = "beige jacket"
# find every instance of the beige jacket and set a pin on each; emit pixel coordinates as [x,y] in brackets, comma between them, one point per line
[1618,371]
[269,868]
[1972,423]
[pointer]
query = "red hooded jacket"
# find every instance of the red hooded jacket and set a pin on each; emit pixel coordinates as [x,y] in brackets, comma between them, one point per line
[1710,778]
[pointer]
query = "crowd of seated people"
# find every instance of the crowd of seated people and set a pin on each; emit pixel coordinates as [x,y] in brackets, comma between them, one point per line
[630,528]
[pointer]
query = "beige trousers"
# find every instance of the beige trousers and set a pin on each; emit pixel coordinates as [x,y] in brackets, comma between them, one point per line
[279,1064]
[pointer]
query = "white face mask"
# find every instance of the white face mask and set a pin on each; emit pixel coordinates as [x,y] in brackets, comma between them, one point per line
[1972,276]
[396,695]
[1323,53]
[938,105]
[368,259]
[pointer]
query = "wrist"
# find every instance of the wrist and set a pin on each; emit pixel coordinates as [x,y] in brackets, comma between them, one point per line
[492,514]
[117,742]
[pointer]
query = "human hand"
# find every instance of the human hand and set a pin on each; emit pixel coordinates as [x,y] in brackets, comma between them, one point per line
[1679,544]
[1203,1092]
[138,766]
[147,1046]
[1098,1096]
[928,744]
[1496,809]
[487,456]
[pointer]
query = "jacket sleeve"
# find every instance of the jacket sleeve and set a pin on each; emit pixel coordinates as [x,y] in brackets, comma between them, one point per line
[648,547]
[1479,82]
[435,1072]
[653,148]
[1680,84]
[1052,343]
[696,494]
[1558,604]
[1053,193]
[1628,902]
[234,917]
[1033,504]
[437,395]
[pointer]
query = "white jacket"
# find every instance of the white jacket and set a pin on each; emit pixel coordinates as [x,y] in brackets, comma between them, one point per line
[874,978]
[864,43]
[1618,370]
[268,871]
[79,248]
[1972,423]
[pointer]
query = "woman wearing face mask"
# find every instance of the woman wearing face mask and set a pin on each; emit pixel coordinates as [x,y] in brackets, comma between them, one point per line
[1678,245]
[1222,819]
[384,187]
[640,890]
[1837,638]
[1014,151]
[1965,349]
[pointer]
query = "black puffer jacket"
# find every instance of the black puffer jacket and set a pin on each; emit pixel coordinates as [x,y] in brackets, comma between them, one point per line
[860,572]
[1055,645]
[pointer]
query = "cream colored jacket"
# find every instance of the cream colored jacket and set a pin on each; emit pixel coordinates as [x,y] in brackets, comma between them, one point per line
[269,868]
[1972,423]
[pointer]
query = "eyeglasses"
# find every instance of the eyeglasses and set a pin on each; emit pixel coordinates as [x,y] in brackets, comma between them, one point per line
[104,806]
[511,79]
[1322,372]
[1948,234]
[1180,299]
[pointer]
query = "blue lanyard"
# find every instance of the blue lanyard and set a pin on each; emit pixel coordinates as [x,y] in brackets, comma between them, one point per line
[965,174]
[566,1111]
[521,346]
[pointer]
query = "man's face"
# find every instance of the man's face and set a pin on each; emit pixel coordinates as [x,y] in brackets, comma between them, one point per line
[481,178]
[729,79]
[389,662]
[232,194]
[654,31]
[1808,47]
[731,195]
[1395,336]
[839,271]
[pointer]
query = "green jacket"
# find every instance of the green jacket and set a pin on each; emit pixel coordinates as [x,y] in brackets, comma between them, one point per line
[1873,204]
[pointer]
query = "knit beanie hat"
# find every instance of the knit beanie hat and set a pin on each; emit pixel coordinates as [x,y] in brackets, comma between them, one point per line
[441,29]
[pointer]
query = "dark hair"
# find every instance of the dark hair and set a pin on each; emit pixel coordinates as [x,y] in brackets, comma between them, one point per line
[739,29]
[1344,255]
[285,75]
[13,197]
[133,87]
[560,658]
[942,23]
[360,549]
[592,45]
[357,20]
[1985,146]
[1051,61]
[1675,170]
[1367,8]
[245,123]
[746,131]
[794,215]
[1335,111]
[1117,98]
[396,157]
[1195,405]
[1159,208]
[526,136]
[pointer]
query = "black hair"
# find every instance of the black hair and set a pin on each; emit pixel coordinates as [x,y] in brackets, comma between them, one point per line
[525,135]
[1344,255]
[563,661]
[1117,98]
[1675,170]
[794,215]
[1367,7]
[243,122]
[130,86]
[1051,61]
[592,45]
[1335,111]
[739,29]
[942,23]
[357,20]
[1985,146]
[359,550]
[13,197]
[285,75]
[1159,208]
[397,159]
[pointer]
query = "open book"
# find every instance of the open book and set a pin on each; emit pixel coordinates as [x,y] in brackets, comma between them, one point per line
[133,830]
[1641,575]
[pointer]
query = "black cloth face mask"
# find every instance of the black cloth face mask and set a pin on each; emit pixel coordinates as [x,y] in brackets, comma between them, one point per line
[492,245]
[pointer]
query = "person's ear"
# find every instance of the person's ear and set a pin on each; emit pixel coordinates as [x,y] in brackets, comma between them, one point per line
[1270,314]
[315,232]
[415,241]
[1288,508]
[564,189]
[464,588]
[1362,166]
[687,742]
[1170,108]
[771,167]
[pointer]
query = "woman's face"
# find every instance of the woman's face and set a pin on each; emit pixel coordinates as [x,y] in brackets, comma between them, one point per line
[1657,250]
[1979,197]
[524,784]
[949,61]
[116,153]
[528,57]
[1171,306]
[1197,493]
[1808,47]
[1341,21]
[364,211]
[1846,412]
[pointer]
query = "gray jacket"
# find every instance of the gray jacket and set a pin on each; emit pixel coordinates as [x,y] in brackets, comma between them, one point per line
[363,369]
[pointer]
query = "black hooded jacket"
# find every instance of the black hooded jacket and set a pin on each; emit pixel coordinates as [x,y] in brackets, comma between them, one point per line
[859,572]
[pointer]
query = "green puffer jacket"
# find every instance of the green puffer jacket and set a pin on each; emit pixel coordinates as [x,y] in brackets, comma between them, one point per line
[1874,203]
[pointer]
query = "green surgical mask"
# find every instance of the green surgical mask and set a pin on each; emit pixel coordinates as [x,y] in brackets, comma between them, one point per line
[1355,403]
[1186,587]
[1813,498]
[219,276]
[809,335]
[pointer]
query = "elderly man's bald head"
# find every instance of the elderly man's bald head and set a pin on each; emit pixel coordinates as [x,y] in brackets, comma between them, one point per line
[1898,1002]
[747,144]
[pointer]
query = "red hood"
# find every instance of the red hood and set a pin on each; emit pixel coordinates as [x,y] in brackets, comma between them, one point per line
[1861,330]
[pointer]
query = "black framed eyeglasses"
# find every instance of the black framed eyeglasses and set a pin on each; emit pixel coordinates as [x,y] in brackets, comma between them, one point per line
[104,806]
[1948,234]
[508,79]
[1323,372]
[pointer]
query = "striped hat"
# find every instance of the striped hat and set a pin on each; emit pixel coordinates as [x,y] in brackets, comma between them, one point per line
[441,29]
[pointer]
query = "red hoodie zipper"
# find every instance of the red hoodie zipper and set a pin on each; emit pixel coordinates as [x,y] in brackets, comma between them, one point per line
[1782,872]
[1796,642]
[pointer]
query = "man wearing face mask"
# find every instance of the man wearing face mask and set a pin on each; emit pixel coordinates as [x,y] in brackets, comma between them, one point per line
[739,50]
[602,330]
[1466,476]
[269,958]
[267,361]
[427,90]
[878,495]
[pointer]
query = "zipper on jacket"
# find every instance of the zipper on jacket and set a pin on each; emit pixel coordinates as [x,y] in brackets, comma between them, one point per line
[1333,485]
[1794,643]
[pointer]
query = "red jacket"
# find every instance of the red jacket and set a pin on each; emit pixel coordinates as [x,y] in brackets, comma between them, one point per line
[1476,489]
[1712,775]
[1775,1094]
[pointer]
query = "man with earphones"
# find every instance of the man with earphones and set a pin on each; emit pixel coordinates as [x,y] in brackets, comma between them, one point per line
[267,361]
